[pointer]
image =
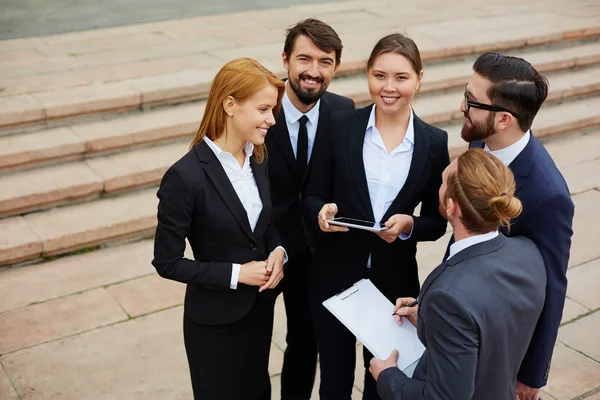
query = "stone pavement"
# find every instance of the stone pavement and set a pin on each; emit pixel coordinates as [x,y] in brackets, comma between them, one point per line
[101,324]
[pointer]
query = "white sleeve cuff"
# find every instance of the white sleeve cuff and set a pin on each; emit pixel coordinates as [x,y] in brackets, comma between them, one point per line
[404,236]
[235,273]
[285,256]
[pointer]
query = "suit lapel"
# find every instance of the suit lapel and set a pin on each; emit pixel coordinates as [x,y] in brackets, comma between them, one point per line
[417,165]
[356,141]
[282,138]
[263,190]
[216,174]
[521,165]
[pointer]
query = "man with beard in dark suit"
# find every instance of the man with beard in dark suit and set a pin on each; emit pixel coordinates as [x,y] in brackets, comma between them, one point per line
[311,55]
[501,100]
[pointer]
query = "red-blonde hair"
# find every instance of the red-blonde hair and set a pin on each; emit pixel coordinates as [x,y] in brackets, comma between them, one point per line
[240,78]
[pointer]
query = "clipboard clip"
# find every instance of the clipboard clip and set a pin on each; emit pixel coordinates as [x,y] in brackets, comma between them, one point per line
[344,294]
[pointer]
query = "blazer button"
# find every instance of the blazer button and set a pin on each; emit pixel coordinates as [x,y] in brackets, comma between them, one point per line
[252,247]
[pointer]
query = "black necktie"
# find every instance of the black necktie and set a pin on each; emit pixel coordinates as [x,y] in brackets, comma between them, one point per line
[302,148]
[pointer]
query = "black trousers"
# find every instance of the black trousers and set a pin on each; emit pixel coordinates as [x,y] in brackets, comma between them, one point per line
[337,357]
[230,362]
[300,356]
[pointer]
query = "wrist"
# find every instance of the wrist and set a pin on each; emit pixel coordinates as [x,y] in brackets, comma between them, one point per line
[407,225]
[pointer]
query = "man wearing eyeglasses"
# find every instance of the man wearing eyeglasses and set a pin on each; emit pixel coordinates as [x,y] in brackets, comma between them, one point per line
[501,100]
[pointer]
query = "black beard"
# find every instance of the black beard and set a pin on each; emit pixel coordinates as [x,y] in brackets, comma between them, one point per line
[309,96]
[478,131]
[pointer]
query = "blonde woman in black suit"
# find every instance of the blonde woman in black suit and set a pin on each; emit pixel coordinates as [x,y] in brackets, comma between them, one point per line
[217,196]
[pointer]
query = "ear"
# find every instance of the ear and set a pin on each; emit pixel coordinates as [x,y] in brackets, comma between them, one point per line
[286,62]
[229,105]
[506,121]
[419,79]
[452,209]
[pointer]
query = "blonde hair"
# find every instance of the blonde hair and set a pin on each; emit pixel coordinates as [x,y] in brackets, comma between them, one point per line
[484,189]
[240,78]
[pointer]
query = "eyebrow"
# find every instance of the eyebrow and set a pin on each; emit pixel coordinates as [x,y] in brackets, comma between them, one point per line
[470,94]
[311,57]
[395,73]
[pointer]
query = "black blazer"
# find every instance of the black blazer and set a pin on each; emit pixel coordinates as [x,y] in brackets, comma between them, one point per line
[287,186]
[547,219]
[198,202]
[341,258]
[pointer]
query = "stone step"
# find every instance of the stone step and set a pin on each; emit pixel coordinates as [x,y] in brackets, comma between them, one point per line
[46,187]
[108,97]
[90,139]
[77,226]
[82,140]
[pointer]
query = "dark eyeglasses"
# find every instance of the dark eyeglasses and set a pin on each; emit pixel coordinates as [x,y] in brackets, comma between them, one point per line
[488,107]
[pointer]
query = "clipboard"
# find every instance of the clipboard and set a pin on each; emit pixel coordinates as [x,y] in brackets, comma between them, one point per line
[367,313]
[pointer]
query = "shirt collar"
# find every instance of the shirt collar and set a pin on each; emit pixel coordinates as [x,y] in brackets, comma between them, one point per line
[222,154]
[508,154]
[461,245]
[292,114]
[410,130]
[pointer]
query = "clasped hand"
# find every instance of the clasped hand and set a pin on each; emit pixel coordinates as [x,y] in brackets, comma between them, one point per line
[265,274]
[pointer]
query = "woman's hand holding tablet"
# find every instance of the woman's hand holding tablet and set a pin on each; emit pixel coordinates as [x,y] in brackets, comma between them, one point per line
[326,214]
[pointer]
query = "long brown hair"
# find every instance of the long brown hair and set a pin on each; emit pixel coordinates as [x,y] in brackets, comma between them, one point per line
[484,189]
[240,78]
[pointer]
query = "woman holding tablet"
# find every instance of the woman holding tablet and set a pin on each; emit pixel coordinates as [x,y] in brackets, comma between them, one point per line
[382,161]
[217,196]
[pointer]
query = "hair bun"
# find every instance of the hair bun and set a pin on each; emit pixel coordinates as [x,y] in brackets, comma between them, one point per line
[506,207]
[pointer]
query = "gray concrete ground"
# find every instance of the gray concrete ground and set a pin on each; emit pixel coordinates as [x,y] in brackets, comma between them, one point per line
[26,18]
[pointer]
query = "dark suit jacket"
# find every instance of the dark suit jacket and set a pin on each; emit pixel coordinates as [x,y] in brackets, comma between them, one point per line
[477,312]
[287,186]
[341,258]
[198,202]
[547,219]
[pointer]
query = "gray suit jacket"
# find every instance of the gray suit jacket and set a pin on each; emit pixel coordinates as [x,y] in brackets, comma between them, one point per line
[477,313]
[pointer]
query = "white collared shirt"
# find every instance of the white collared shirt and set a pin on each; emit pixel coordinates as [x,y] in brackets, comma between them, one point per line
[386,171]
[292,121]
[461,245]
[244,184]
[508,154]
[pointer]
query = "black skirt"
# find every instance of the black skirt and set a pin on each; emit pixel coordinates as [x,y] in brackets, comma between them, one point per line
[230,362]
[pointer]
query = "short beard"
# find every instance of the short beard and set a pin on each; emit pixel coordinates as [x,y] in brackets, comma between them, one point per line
[310,96]
[478,130]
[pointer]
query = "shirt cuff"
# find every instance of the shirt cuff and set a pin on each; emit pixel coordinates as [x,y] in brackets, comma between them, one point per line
[235,274]
[404,236]
[285,256]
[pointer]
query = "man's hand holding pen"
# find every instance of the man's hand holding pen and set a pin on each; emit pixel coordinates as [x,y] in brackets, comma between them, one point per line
[407,307]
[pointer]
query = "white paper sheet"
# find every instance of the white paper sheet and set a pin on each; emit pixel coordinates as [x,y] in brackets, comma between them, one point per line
[367,313]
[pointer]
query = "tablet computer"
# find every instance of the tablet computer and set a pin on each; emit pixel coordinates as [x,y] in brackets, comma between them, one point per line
[358,224]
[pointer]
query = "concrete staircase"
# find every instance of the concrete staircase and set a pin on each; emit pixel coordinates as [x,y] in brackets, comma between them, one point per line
[80,165]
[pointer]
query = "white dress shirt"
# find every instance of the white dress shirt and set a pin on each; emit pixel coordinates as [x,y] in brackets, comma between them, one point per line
[461,245]
[244,184]
[386,171]
[292,121]
[508,154]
